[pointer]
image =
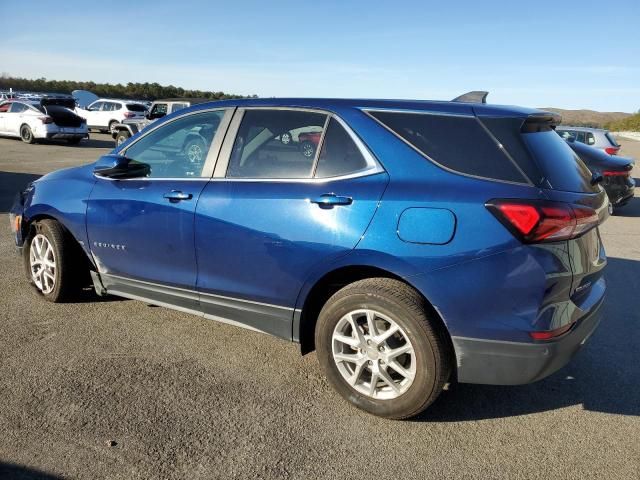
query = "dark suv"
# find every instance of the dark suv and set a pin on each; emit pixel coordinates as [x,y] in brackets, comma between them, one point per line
[420,243]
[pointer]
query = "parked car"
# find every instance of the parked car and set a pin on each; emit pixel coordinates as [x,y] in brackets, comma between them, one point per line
[424,242]
[48,118]
[104,114]
[594,137]
[614,170]
[121,132]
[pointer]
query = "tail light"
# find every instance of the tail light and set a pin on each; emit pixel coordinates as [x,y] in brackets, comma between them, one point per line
[612,150]
[46,120]
[550,334]
[616,173]
[129,114]
[535,221]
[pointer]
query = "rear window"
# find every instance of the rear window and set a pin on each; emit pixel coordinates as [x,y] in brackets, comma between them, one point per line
[136,107]
[611,139]
[457,143]
[562,167]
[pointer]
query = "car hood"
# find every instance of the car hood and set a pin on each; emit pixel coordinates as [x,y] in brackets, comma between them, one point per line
[68,173]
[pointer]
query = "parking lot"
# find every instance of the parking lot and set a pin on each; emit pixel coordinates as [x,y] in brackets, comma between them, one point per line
[120,389]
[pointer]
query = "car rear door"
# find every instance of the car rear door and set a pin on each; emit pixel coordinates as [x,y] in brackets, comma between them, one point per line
[141,231]
[272,214]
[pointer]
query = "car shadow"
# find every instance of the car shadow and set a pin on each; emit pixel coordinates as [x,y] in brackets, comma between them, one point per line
[11,184]
[603,377]
[18,472]
[86,143]
[631,209]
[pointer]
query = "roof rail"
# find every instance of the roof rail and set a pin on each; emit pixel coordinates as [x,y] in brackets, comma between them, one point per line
[476,96]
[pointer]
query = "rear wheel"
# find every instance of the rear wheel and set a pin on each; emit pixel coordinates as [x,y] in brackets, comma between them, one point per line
[112,126]
[286,138]
[381,350]
[53,262]
[26,134]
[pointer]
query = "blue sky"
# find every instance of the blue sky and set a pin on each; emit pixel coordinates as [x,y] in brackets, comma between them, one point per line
[543,53]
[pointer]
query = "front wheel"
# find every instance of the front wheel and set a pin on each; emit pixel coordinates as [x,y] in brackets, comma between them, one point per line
[381,349]
[26,134]
[53,263]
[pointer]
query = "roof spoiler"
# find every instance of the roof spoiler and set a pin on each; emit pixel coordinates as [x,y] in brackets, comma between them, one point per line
[541,122]
[477,96]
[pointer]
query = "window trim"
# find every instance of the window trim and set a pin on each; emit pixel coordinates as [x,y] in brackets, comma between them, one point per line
[368,111]
[212,154]
[220,172]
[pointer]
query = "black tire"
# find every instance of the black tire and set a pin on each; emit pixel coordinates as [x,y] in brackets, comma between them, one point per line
[74,141]
[26,135]
[71,272]
[122,136]
[411,313]
[112,125]
[308,149]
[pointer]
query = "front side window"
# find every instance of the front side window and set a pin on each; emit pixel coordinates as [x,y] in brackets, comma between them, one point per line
[276,144]
[159,110]
[339,154]
[95,107]
[178,149]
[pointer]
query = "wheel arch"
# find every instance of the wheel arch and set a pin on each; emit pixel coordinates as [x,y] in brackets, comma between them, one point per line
[334,280]
[28,229]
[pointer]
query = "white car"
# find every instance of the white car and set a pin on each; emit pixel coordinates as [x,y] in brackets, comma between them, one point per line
[104,114]
[48,118]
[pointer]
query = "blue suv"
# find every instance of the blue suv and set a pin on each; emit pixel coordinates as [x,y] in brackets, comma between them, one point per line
[409,243]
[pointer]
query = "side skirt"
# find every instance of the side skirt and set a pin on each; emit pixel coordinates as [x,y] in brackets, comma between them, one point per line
[260,317]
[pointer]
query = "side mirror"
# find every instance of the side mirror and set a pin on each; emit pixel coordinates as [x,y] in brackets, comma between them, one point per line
[119,167]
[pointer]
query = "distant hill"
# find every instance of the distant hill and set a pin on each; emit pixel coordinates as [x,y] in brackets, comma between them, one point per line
[588,118]
[627,124]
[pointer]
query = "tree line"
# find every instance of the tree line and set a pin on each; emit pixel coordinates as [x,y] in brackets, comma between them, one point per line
[141,91]
[629,124]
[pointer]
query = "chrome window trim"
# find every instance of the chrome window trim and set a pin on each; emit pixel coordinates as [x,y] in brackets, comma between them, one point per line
[373,166]
[212,154]
[368,111]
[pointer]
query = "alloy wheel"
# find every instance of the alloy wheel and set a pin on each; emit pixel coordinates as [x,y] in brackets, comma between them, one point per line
[194,152]
[42,261]
[373,354]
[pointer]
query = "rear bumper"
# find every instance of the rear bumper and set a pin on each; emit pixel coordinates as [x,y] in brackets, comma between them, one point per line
[515,363]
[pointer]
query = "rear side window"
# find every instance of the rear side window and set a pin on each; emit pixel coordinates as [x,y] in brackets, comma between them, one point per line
[580,136]
[562,167]
[136,107]
[260,152]
[339,154]
[457,143]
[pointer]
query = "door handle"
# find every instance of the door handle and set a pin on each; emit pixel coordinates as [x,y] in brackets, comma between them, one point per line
[177,196]
[329,200]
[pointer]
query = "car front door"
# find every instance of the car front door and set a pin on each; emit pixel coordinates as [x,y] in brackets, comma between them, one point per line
[93,113]
[141,231]
[274,212]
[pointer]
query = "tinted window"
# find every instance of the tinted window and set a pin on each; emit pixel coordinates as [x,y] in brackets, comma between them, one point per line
[95,106]
[136,107]
[18,107]
[339,154]
[567,135]
[562,167]
[580,137]
[178,149]
[158,110]
[590,139]
[455,142]
[260,152]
